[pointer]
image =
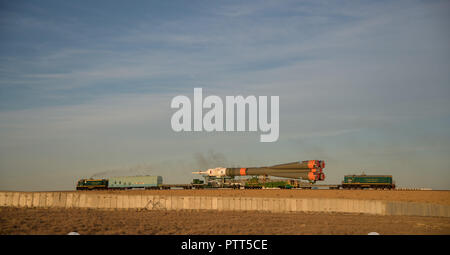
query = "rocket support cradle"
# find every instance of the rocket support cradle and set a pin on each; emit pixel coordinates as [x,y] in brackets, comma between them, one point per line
[311,170]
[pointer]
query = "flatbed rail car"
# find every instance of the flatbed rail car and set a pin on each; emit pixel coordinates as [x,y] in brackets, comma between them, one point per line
[120,183]
[135,182]
[368,181]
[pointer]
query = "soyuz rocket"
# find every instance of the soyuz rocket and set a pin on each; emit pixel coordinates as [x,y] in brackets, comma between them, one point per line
[311,170]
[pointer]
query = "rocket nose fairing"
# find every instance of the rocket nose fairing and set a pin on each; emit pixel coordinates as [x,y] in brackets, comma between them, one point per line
[311,170]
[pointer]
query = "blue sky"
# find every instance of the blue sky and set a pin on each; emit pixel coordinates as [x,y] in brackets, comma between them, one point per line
[85,87]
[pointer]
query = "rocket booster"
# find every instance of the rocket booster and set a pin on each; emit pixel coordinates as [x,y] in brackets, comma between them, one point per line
[311,170]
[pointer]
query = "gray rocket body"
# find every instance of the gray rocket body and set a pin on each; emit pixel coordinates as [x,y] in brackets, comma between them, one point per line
[311,170]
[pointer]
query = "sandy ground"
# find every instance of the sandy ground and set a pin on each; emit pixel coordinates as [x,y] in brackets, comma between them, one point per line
[436,197]
[85,221]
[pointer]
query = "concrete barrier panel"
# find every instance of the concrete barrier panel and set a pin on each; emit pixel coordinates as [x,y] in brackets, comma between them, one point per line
[356,207]
[162,203]
[2,199]
[434,209]
[243,206]
[91,201]
[109,201]
[8,199]
[69,198]
[209,202]
[15,199]
[185,203]
[5,197]
[180,203]
[424,209]
[270,205]
[308,205]
[330,205]
[172,203]
[364,206]
[372,207]
[232,204]
[176,203]
[35,202]
[106,202]
[49,200]
[417,209]
[42,200]
[119,202]
[299,205]
[196,203]
[254,204]
[149,202]
[83,200]
[55,199]
[70,202]
[62,199]
[29,200]
[226,203]
[248,204]
[274,205]
[113,202]
[144,201]
[324,205]
[219,203]
[257,203]
[131,202]
[100,201]
[157,202]
[291,205]
[141,203]
[445,211]
[237,204]
[333,205]
[22,199]
[265,204]
[214,203]
[169,203]
[312,205]
[126,202]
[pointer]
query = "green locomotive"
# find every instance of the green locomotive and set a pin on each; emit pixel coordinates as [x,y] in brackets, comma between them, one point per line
[92,184]
[368,181]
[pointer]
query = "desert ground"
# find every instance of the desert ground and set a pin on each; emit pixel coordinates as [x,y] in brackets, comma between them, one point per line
[422,196]
[92,222]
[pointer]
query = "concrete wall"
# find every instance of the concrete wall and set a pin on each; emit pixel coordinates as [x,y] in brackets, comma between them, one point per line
[282,205]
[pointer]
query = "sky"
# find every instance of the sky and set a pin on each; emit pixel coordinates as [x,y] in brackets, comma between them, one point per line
[86,86]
